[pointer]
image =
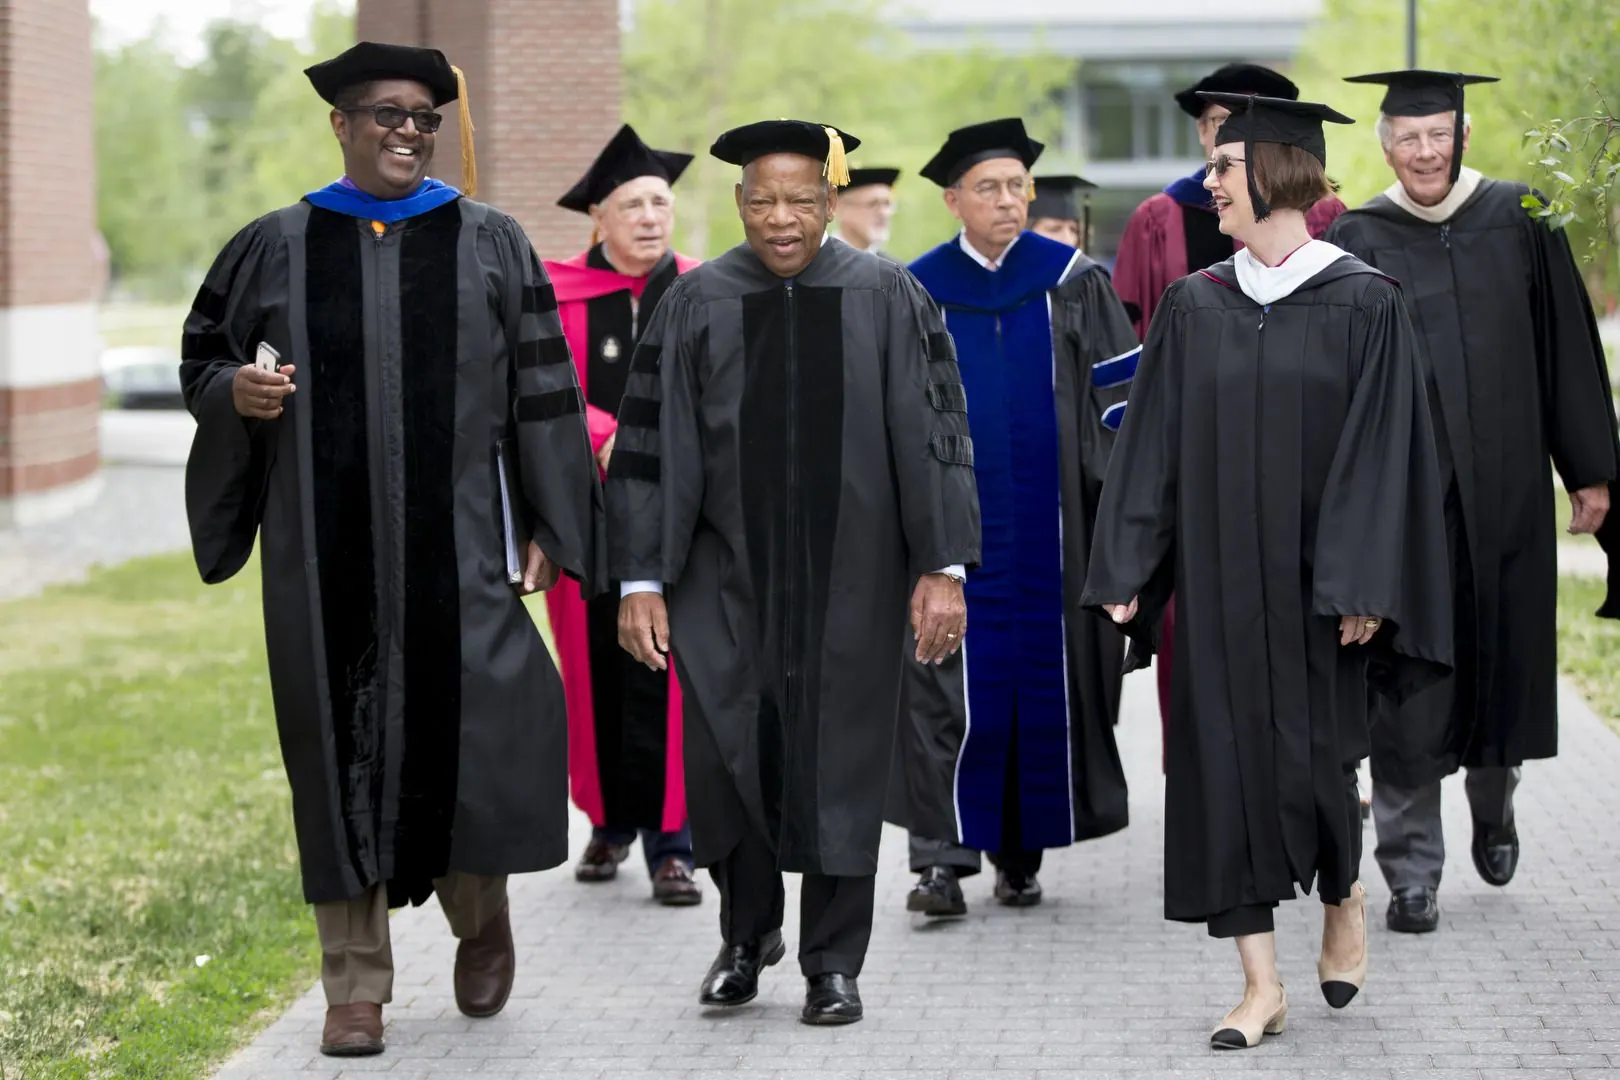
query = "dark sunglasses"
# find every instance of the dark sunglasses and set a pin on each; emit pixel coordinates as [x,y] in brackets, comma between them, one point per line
[1220,163]
[392,116]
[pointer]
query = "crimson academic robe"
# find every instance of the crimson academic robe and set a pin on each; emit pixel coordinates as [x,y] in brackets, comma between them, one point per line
[624,721]
[1517,378]
[422,723]
[1169,236]
[1276,469]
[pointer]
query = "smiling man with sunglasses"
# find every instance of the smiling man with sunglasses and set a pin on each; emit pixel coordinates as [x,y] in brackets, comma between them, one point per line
[429,465]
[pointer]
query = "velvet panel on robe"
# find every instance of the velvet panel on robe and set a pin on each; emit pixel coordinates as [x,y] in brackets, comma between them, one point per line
[1169,236]
[1516,377]
[1276,470]
[1047,357]
[791,458]
[421,721]
[624,721]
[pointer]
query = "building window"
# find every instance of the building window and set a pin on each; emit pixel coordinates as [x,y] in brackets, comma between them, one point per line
[1131,114]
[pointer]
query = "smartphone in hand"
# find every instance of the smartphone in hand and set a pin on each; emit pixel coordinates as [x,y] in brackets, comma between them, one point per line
[267,359]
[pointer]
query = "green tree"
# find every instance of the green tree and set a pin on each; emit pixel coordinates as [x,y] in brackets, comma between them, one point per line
[693,68]
[1556,58]
[148,161]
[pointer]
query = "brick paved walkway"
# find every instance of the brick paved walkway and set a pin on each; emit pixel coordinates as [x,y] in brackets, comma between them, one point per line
[1521,982]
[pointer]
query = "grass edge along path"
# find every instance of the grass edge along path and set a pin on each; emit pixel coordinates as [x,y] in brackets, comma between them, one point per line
[151,918]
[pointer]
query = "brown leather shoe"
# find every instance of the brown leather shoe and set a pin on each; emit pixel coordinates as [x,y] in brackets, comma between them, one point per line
[485,967]
[600,861]
[353,1030]
[674,885]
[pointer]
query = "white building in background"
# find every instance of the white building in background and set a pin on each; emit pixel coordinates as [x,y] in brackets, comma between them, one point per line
[1120,117]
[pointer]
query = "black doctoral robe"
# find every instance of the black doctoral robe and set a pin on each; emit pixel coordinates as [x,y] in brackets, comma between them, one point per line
[421,720]
[1516,376]
[1276,468]
[791,456]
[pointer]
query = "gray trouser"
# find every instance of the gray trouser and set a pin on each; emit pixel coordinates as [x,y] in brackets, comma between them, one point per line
[1411,847]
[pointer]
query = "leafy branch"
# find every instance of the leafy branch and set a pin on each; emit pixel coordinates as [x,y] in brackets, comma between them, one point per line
[1580,161]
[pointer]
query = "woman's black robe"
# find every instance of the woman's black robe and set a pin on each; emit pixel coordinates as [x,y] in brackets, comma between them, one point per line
[1276,468]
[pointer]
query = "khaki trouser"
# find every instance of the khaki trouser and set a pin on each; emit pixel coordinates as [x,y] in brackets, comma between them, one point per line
[357,959]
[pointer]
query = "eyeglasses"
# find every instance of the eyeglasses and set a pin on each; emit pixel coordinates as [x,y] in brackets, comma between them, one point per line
[392,116]
[1220,163]
[1017,187]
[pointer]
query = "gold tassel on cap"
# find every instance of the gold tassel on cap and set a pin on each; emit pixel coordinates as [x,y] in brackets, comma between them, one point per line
[837,166]
[1030,195]
[469,154]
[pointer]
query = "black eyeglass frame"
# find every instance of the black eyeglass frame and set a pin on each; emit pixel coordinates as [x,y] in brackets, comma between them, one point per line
[393,117]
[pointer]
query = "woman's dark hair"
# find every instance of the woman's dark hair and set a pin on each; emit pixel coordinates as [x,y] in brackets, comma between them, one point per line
[1290,178]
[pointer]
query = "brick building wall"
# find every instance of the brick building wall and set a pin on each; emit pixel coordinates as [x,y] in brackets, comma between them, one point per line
[543,80]
[49,350]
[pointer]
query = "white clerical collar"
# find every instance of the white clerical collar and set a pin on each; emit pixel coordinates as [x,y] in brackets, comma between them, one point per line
[974,254]
[1267,284]
[1468,181]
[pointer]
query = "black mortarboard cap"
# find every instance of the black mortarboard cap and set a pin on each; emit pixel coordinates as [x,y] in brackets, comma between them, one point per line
[370,60]
[874,175]
[1236,79]
[1258,119]
[823,143]
[367,61]
[623,159]
[1056,197]
[968,146]
[1415,92]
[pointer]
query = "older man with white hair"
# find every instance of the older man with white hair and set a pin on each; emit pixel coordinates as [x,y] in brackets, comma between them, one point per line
[1516,376]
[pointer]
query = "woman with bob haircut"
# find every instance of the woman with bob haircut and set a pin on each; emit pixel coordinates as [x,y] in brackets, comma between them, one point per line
[1276,470]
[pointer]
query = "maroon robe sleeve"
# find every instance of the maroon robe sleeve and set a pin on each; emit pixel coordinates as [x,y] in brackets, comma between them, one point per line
[1152,254]
[1323,214]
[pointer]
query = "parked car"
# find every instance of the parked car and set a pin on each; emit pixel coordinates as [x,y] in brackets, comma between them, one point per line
[141,377]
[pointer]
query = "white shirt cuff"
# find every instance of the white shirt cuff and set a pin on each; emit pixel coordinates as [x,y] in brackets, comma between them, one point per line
[955,570]
[628,587]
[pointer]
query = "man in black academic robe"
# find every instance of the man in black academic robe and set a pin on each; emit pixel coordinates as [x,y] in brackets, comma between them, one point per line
[422,723]
[1516,376]
[792,459]
[1015,739]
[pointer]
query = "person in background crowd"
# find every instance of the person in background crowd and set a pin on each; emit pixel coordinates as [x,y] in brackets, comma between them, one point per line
[624,722]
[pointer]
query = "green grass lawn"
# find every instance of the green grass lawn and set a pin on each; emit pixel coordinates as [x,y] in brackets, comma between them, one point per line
[151,919]
[1589,647]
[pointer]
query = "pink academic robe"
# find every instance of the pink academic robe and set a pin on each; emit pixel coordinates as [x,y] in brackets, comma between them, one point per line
[1152,255]
[576,284]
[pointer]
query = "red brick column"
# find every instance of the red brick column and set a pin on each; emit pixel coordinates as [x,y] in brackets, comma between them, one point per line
[49,349]
[543,78]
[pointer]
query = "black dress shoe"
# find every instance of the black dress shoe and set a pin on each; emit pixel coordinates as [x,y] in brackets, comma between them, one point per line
[1017,890]
[831,999]
[733,978]
[937,894]
[1413,911]
[1496,853]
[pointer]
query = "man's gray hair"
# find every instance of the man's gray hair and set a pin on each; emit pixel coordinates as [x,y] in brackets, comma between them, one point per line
[1386,129]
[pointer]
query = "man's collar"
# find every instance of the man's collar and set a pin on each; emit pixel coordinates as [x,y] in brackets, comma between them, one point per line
[974,253]
[1467,183]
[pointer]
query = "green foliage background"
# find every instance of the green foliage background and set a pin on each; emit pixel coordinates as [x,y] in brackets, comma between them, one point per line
[1556,59]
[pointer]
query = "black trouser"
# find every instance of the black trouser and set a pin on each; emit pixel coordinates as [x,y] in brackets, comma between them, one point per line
[1011,856]
[835,913]
[1258,918]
